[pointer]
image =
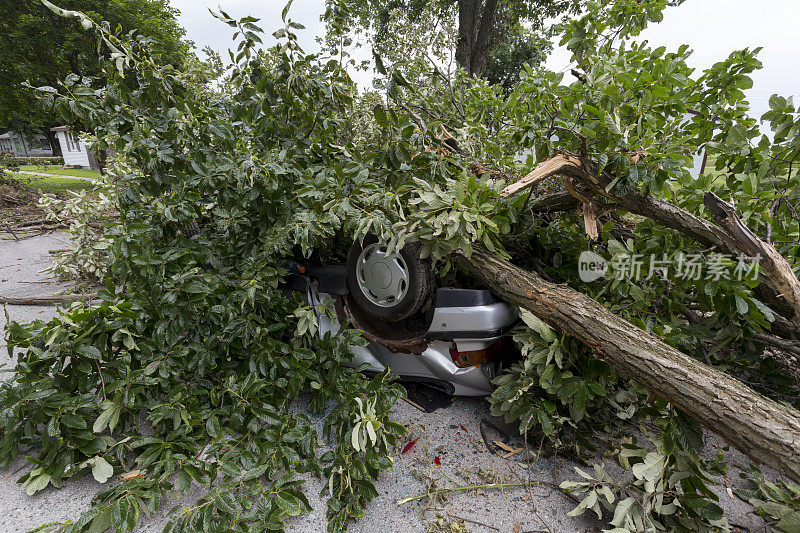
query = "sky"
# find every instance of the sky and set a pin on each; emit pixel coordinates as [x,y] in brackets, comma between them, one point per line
[712,28]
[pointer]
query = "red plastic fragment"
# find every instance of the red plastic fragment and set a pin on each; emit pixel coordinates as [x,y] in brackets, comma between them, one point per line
[409,445]
[437,461]
[463,428]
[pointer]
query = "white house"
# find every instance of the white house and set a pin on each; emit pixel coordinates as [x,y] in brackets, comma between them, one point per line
[73,149]
[36,145]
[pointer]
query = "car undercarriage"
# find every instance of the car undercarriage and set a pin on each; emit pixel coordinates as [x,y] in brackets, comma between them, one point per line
[454,339]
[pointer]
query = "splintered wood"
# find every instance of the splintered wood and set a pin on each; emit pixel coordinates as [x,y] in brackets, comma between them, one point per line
[545,169]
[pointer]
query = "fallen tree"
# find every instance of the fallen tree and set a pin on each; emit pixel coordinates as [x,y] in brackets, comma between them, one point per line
[284,163]
[764,430]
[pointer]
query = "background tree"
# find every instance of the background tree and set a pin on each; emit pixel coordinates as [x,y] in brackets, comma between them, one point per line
[39,48]
[483,27]
[512,49]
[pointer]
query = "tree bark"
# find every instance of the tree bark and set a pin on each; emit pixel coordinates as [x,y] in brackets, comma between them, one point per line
[776,268]
[764,430]
[480,50]
[468,12]
[53,140]
[475,24]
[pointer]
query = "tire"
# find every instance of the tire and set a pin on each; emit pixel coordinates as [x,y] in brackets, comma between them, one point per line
[413,273]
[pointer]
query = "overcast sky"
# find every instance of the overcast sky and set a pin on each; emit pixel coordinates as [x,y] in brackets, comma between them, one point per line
[712,28]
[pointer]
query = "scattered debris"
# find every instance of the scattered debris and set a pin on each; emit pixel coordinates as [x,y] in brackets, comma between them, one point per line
[410,445]
[418,406]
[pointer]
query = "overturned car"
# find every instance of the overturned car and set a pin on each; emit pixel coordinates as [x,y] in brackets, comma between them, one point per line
[451,338]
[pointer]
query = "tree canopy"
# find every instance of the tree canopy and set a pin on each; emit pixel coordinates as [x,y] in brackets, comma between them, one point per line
[498,35]
[41,48]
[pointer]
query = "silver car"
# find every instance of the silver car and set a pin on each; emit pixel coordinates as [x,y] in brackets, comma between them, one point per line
[452,338]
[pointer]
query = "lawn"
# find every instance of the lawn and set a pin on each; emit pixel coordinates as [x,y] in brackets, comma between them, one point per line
[56,169]
[51,185]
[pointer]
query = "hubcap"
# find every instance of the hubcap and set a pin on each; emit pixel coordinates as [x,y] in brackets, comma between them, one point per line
[383,278]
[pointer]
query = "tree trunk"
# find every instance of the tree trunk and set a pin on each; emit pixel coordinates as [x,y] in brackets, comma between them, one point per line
[475,23]
[54,144]
[764,430]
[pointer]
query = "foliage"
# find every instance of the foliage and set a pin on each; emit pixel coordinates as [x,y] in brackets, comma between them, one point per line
[87,258]
[16,162]
[192,379]
[630,99]
[507,58]
[475,34]
[670,486]
[778,503]
[40,48]
[194,375]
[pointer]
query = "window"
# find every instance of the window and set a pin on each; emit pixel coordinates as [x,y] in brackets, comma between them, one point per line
[68,140]
[44,142]
[73,141]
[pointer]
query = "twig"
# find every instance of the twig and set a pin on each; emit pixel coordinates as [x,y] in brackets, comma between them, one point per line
[418,406]
[37,222]
[102,381]
[11,231]
[47,300]
[509,454]
[462,488]
[487,526]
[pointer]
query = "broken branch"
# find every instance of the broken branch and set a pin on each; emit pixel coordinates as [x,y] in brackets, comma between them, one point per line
[764,430]
[775,267]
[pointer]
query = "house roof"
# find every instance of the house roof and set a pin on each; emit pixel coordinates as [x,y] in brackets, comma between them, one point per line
[5,136]
[60,128]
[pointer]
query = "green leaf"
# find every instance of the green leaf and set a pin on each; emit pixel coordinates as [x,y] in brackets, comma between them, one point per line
[380,116]
[536,324]
[741,305]
[703,507]
[621,510]
[651,468]
[789,523]
[288,503]
[285,11]
[73,420]
[108,418]
[690,434]
[89,351]
[213,427]
[37,483]
[102,470]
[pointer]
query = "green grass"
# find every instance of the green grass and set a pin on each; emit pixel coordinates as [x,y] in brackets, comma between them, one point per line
[51,185]
[56,169]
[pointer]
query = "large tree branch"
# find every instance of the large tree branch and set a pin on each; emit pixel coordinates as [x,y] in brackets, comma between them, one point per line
[551,203]
[774,265]
[764,430]
[669,215]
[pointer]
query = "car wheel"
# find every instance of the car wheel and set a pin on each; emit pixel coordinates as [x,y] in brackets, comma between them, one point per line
[388,286]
